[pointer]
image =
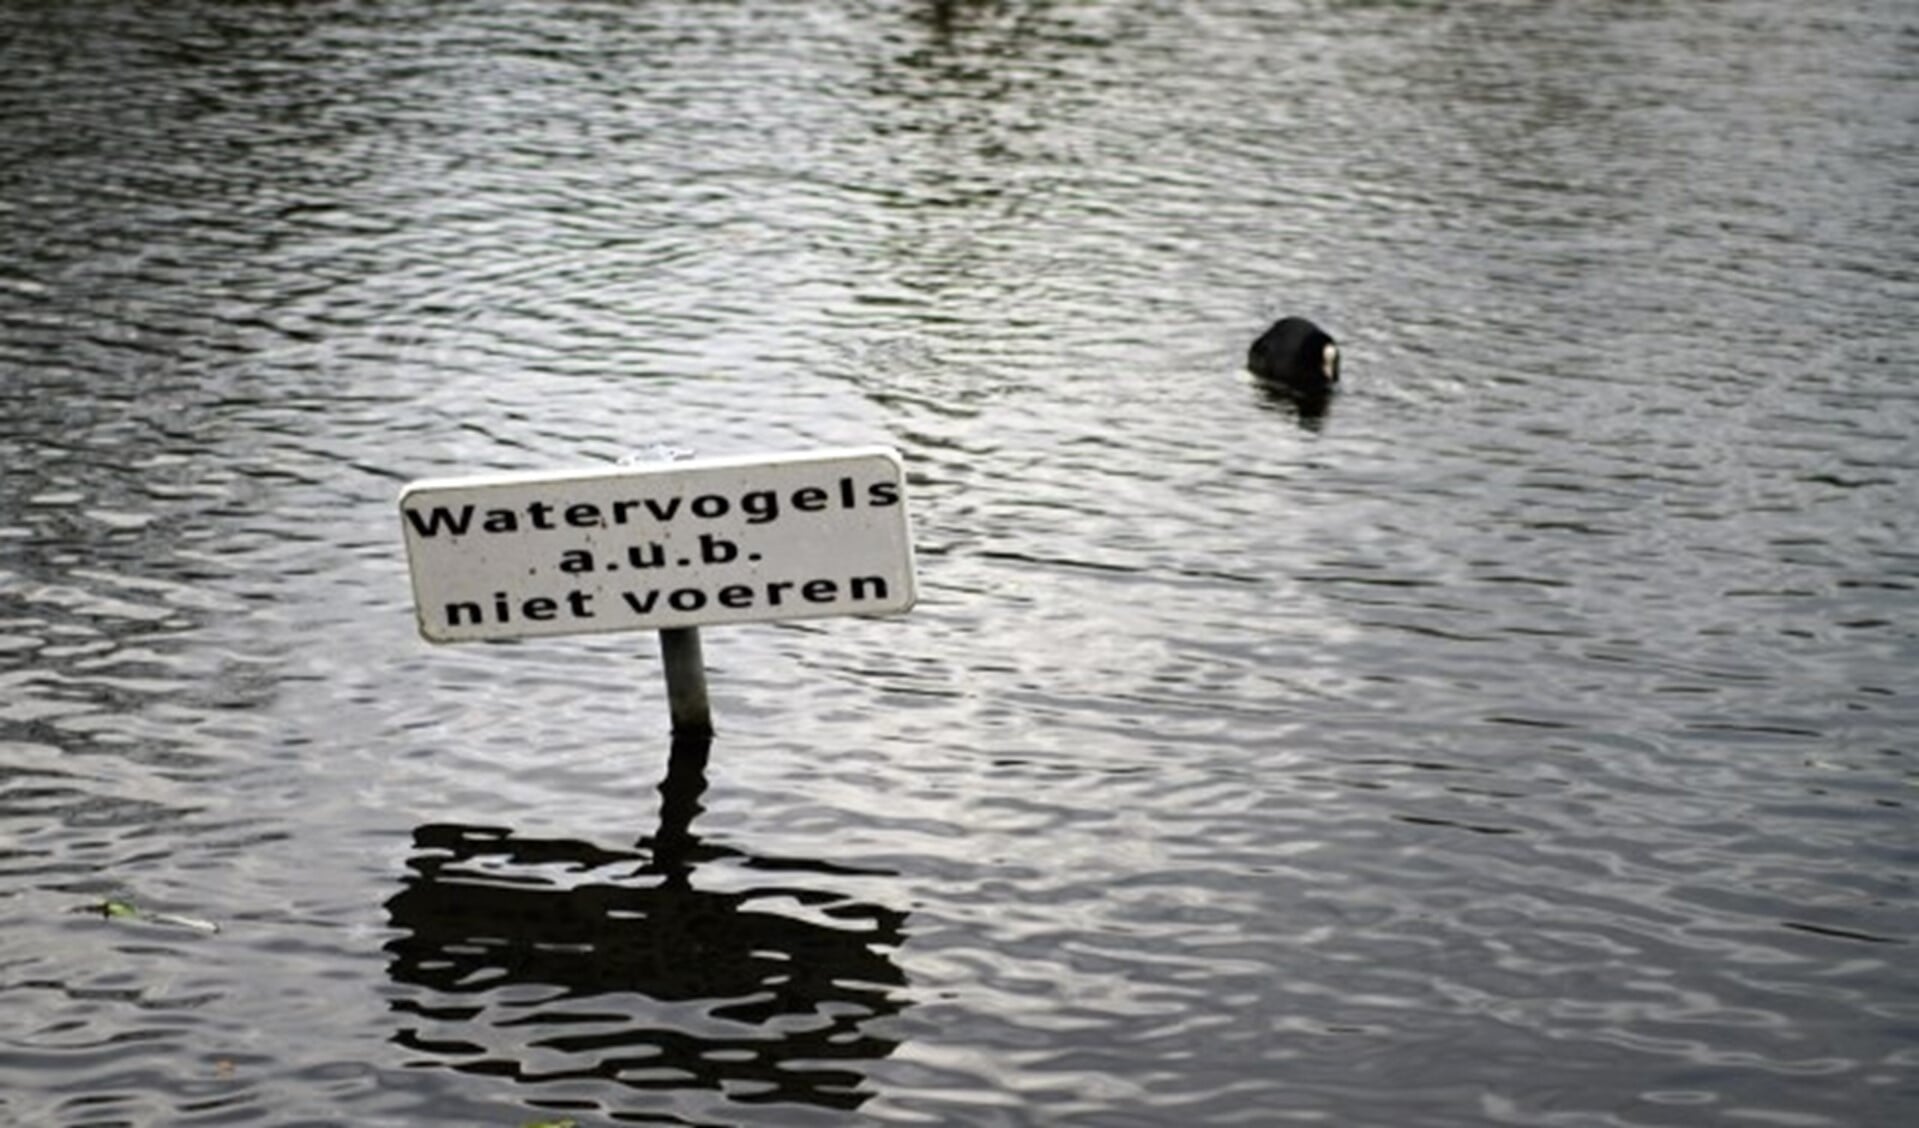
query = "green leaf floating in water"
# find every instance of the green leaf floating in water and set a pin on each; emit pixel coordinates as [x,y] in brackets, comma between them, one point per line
[126,910]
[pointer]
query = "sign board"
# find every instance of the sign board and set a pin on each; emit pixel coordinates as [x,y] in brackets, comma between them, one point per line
[676,544]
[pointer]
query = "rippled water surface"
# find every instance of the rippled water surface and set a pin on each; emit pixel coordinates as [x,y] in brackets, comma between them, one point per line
[1528,739]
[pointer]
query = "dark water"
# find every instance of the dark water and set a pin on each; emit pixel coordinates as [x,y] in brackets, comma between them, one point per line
[1528,740]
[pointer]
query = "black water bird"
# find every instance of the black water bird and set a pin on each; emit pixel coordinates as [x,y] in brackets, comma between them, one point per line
[1297,356]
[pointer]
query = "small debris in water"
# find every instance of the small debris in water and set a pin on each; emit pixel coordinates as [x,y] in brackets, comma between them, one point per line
[113,909]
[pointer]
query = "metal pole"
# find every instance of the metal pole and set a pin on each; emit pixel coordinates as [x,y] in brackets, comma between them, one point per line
[686,681]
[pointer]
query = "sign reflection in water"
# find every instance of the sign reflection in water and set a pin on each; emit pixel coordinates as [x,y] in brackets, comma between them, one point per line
[524,970]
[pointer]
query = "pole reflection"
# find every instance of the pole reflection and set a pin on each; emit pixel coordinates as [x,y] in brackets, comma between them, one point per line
[549,960]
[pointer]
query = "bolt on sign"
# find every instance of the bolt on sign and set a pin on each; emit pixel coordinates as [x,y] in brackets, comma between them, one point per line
[677,544]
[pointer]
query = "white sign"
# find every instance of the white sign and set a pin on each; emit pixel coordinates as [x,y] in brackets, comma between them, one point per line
[677,544]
